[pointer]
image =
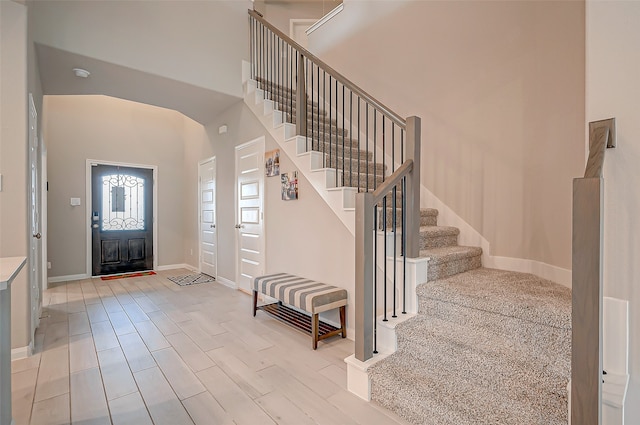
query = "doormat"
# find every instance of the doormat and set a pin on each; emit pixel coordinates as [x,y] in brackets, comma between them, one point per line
[192,279]
[122,276]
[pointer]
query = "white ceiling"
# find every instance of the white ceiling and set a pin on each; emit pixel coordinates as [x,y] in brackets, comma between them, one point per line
[55,65]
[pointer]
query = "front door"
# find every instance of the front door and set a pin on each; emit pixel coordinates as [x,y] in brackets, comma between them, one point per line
[250,202]
[121,219]
[208,238]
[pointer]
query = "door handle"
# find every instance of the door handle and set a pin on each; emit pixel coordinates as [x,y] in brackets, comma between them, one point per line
[213,226]
[37,235]
[239,226]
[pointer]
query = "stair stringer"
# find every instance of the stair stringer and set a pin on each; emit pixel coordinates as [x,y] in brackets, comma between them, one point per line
[341,200]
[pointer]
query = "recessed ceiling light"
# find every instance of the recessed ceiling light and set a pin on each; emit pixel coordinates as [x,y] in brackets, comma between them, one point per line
[82,73]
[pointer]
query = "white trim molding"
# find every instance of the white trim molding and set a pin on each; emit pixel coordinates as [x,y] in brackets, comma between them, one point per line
[70,277]
[538,268]
[226,282]
[177,266]
[326,18]
[22,352]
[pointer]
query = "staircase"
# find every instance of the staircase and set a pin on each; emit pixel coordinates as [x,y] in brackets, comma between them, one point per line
[487,346]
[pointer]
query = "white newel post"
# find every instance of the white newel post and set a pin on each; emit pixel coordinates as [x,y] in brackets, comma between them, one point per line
[9,269]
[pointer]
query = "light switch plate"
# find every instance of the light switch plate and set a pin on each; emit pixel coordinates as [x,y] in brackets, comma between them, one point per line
[75,202]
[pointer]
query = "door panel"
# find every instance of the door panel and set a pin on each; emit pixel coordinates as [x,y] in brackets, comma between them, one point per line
[250,190]
[35,243]
[208,236]
[122,219]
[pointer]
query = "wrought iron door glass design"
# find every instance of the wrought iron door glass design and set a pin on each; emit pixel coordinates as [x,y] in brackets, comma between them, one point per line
[123,202]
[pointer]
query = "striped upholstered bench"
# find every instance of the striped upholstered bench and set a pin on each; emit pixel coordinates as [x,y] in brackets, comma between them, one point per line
[304,294]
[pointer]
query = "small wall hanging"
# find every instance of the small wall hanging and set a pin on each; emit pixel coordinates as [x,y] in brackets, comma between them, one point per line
[272,162]
[289,186]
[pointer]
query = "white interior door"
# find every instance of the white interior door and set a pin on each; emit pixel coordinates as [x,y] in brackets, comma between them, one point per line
[249,212]
[35,246]
[208,234]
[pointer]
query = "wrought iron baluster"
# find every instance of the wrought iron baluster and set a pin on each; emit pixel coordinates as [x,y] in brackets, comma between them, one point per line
[343,132]
[375,147]
[394,224]
[404,244]
[351,138]
[384,242]
[366,183]
[330,131]
[324,117]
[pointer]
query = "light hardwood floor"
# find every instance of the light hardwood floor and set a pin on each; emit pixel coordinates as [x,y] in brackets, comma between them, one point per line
[144,350]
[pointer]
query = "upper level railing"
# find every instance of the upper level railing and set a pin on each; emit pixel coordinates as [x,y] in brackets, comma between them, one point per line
[364,144]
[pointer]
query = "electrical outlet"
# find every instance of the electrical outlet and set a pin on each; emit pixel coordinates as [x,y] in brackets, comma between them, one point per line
[49,264]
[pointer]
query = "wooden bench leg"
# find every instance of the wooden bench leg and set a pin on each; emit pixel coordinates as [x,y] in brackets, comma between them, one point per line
[314,330]
[255,302]
[343,324]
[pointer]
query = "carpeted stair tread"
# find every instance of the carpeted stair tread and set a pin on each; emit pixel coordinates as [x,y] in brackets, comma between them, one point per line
[435,231]
[450,260]
[497,352]
[352,164]
[529,297]
[348,152]
[438,236]
[445,373]
[449,253]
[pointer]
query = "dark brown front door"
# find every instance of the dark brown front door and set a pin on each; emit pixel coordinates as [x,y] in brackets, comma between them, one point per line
[121,219]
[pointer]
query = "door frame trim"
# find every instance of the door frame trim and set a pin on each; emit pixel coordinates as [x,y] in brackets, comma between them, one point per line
[88,202]
[215,203]
[262,141]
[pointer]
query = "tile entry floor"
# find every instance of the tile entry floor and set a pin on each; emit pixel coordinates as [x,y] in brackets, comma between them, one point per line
[144,350]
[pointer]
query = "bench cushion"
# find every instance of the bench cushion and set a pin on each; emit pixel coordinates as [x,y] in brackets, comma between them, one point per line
[305,294]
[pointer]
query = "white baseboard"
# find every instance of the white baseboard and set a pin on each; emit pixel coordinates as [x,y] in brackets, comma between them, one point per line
[56,279]
[226,282]
[177,266]
[543,270]
[22,352]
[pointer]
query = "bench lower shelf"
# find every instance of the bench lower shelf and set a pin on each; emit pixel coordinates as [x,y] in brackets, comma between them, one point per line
[300,321]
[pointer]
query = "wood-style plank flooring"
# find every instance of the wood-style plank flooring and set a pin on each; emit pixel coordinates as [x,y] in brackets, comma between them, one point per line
[144,350]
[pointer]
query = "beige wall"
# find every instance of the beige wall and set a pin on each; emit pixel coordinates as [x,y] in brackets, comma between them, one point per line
[198,42]
[500,90]
[613,90]
[13,159]
[78,128]
[302,236]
